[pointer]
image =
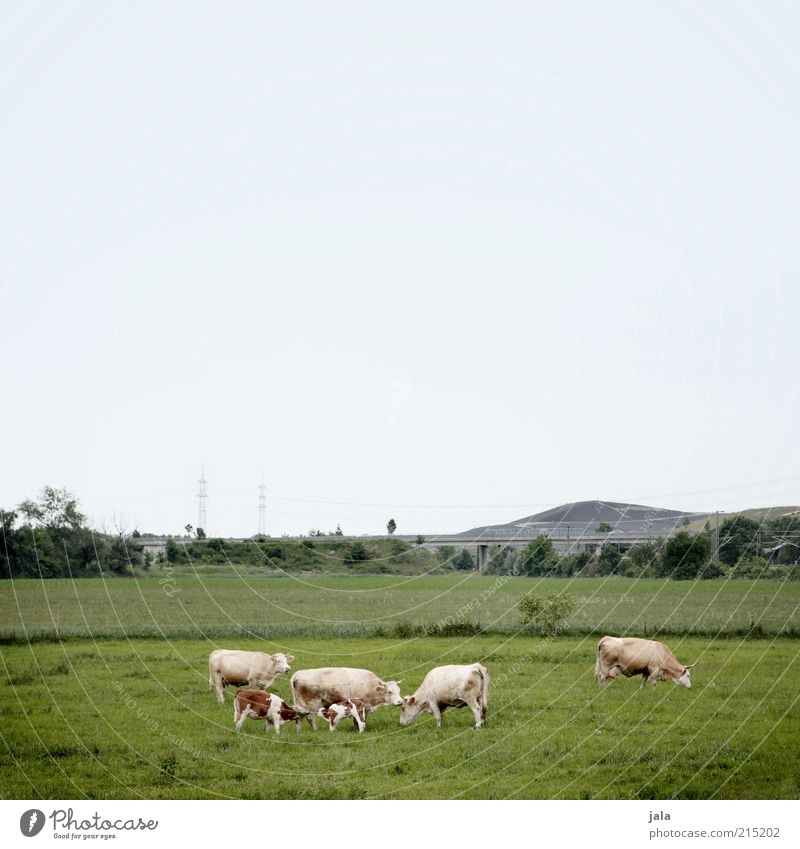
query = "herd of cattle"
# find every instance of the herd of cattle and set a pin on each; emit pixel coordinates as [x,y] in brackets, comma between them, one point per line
[339,692]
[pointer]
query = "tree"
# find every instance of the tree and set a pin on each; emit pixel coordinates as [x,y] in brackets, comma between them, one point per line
[55,508]
[642,559]
[201,534]
[464,561]
[737,539]
[539,556]
[608,563]
[338,531]
[603,528]
[684,556]
[171,550]
[391,526]
[547,613]
[420,539]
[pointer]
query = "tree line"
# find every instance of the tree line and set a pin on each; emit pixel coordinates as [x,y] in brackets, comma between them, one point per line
[49,537]
[746,549]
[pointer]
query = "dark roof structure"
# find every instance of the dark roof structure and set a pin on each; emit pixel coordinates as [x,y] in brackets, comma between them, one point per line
[587,516]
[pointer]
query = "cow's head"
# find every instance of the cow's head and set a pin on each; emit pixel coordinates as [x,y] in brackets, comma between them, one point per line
[390,690]
[282,662]
[683,680]
[412,708]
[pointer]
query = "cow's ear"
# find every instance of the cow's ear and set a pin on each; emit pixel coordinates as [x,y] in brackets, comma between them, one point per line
[289,658]
[381,688]
[412,700]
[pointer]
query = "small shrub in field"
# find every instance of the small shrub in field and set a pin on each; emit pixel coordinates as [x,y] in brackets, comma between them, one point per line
[169,766]
[546,613]
[453,629]
[404,630]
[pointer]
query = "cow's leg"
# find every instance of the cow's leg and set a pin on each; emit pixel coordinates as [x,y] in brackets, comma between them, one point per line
[645,678]
[236,714]
[477,712]
[359,722]
[218,685]
[242,717]
[437,714]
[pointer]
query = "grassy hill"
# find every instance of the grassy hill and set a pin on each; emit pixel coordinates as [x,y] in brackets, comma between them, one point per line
[759,514]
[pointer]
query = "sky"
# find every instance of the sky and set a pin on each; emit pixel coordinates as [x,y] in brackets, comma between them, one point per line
[449,263]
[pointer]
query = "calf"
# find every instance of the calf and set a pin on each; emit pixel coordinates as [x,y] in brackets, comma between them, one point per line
[356,708]
[257,704]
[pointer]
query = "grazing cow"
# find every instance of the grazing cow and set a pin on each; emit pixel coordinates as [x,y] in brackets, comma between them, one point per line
[253,668]
[339,710]
[316,688]
[450,686]
[257,704]
[635,656]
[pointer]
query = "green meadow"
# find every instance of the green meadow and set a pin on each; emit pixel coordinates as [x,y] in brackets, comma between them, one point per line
[118,706]
[216,607]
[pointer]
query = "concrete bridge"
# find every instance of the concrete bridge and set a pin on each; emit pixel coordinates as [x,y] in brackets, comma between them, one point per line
[565,540]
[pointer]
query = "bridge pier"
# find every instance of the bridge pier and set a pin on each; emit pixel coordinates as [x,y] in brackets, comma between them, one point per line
[482,552]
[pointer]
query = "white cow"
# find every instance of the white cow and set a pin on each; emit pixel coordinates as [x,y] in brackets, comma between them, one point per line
[636,656]
[316,688]
[239,668]
[450,686]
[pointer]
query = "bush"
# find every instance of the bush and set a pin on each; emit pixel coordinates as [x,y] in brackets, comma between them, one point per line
[171,550]
[357,554]
[713,569]
[572,564]
[751,567]
[608,563]
[684,556]
[464,561]
[539,557]
[546,613]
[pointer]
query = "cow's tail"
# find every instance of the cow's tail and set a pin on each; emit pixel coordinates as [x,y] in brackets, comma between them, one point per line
[483,672]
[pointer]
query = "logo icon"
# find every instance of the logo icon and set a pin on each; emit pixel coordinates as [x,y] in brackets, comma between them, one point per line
[31,822]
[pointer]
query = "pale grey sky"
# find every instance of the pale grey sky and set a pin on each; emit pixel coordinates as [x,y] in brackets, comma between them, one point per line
[447,262]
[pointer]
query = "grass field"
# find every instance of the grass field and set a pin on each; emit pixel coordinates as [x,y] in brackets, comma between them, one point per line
[359,606]
[110,712]
[129,719]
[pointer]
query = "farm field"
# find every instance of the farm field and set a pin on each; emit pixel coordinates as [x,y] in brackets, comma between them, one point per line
[213,607]
[119,706]
[133,718]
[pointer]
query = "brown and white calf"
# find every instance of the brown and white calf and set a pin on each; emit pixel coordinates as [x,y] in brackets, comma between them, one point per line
[256,704]
[356,708]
